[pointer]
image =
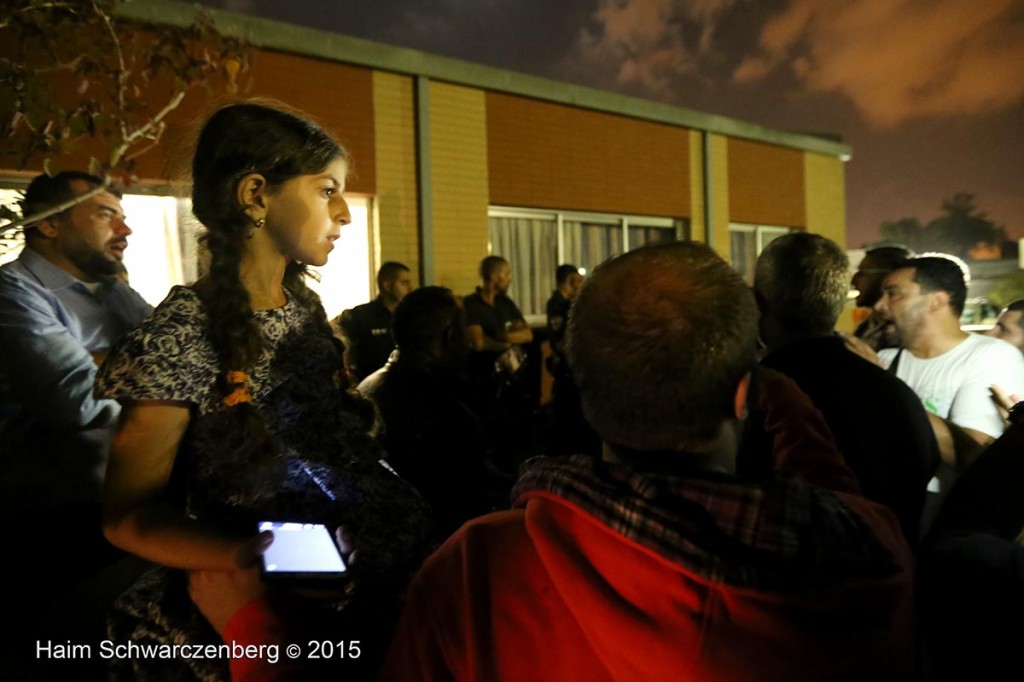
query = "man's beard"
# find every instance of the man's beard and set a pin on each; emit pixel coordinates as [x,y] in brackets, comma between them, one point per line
[94,263]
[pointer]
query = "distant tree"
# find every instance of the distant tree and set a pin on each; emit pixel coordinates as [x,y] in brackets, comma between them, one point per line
[71,69]
[961,228]
[906,231]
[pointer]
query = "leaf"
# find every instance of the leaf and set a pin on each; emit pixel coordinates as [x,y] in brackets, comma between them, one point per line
[50,166]
[95,167]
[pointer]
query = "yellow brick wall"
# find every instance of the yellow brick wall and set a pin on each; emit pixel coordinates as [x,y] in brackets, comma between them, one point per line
[396,201]
[720,195]
[458,149]
[698,231]
[825,196]
[825,202]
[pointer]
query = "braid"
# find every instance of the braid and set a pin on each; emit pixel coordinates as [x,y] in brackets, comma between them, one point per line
[249,449]
[233,332]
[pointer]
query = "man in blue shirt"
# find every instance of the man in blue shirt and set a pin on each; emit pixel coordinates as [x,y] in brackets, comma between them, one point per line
[62,307]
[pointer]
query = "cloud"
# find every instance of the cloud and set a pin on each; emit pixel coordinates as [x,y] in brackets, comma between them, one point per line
[899,59]
[650,43]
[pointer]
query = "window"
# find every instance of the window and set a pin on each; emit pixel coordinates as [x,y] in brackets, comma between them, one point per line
[163,250]
[745,244]
[535,242]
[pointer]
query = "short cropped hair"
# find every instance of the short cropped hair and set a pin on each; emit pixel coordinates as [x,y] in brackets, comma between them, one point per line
[1017,307]
[490,265]
[45,192]
[801,280]
[390,271]
[889,255]
[658,365]
[941,272]
[564,272]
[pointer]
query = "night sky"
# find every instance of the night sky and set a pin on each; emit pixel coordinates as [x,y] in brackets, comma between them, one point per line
[929,93]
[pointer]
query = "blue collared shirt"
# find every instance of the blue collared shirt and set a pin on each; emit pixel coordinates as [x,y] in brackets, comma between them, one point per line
[50,324]
[55,434]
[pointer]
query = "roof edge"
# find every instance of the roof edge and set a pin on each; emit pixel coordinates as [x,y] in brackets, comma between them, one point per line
[283,37]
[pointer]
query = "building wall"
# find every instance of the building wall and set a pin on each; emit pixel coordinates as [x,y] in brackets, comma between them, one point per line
[825,196]
[698,217]
[825,201]
[547,155]
[458,183]
[720,193]
[396,201]
[766,184]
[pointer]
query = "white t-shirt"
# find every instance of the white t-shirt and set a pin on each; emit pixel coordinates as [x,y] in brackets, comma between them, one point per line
[957,384]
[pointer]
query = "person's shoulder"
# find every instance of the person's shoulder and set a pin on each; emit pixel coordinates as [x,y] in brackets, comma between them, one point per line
[14,277]
[474,305]
[484,533]
[362,308]
[981,348]
[181,313]
[182,298]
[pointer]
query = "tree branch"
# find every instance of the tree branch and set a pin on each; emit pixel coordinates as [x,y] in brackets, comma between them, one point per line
[118,152]
[59,208]
[121,72]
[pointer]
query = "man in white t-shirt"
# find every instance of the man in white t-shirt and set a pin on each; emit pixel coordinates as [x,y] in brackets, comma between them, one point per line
[950,370]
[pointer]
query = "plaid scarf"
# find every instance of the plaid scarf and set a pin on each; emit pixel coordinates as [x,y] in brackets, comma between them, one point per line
[779,533]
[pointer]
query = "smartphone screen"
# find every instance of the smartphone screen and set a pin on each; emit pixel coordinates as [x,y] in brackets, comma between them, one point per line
[301,550]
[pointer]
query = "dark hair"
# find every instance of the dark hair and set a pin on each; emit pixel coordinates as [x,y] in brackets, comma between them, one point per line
[801,280]
[564,272]
[941,272]
[390,271]
[889,255]
[658,365]
[45,192]
[235,141]
[1017,307]
[490,265]
[425,318]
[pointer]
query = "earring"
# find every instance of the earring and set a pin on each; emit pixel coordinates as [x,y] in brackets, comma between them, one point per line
[260,223]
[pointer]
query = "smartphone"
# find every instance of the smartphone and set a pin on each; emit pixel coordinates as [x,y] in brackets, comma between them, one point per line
[301,551]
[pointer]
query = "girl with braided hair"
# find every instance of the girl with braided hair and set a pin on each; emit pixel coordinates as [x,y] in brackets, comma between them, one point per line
[236,406]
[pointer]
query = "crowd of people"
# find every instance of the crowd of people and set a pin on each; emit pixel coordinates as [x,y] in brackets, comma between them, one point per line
[727,489]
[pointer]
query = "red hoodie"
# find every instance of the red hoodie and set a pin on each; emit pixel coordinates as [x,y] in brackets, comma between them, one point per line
[609,574]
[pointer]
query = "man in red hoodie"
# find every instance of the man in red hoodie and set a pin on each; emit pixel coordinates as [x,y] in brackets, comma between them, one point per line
[656,562]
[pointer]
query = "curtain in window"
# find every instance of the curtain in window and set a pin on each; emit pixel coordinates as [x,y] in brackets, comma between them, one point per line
[531,247]
[641,236]
[743,253]
[587,245]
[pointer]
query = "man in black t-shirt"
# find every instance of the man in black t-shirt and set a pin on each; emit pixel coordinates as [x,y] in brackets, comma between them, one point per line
[568,431]
[367,328]
[497,331]
[492,318]
[568,281]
